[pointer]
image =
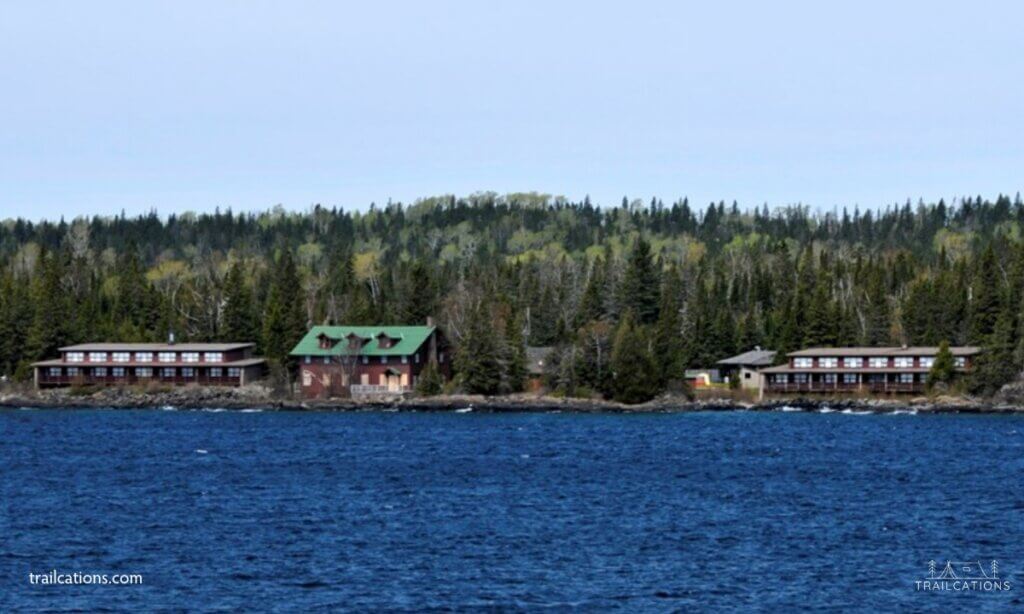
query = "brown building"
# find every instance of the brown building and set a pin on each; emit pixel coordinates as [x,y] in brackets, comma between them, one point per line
[210,364]
[868,369]
[338,361]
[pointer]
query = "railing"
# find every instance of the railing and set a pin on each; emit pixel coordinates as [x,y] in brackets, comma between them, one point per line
[377,389]
[110,380]
[836,387]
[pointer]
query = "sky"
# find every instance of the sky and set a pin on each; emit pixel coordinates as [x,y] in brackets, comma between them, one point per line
[188,106]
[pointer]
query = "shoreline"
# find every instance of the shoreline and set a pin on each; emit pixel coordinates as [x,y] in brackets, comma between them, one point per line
[239,399]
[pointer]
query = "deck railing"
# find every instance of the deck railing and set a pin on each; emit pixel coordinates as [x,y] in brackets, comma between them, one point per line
[368,389]
[844,387]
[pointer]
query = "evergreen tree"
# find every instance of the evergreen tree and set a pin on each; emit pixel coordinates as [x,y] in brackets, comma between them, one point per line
[516,362]
[49,326]
[985,303]
[995,366]
[284,322]
[943,368]
[478,360]
[430,382]
[239,317]
[634,370]
[640,287]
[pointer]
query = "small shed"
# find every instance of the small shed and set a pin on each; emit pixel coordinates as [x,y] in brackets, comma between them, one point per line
[746,367]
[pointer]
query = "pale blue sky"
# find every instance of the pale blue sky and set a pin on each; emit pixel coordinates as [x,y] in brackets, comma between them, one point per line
[193,105]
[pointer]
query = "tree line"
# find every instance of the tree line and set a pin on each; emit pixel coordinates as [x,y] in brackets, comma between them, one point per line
[627,296]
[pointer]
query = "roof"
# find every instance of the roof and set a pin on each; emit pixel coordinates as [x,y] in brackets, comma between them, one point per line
[753,358]
[57,362]
[535,358]
[886,351]
[156,347]
[410,338]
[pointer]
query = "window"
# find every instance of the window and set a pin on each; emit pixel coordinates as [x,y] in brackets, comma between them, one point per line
[853,362]
[75,356]
[309,360]
[121,356]
[188,372]
[782,378]
[99,371]
[213,357]
[117,371]
[327,360]
[926,362]
[405,359]
[73,371]
[906,378]
[216,372]
[53,371]
[959,362]
[904,362]
[143,372]
[829,378]
[879,362]
[800,378]
[190,357]
[746,375]
[144,356]
[383,360]
[307,378]
[97,357]
[803,363]
[167,372]
[166,356]
[366,360]
[828,363]
[416,358]
[234,372]
[849,378]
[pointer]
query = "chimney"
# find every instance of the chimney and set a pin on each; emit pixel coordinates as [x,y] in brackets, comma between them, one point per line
[170,338]
[430,321]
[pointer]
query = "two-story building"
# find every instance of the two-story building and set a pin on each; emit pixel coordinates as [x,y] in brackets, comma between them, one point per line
[337,361]
[868,369]
[209,364]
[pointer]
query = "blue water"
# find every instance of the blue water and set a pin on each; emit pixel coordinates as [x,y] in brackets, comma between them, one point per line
[378,511]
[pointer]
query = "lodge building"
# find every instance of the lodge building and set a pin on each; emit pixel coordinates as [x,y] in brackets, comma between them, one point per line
[209,364]
[337,361]
[868,369]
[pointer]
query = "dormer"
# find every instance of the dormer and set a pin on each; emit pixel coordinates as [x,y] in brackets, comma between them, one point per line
[325,341]
[355,342]
[384,341]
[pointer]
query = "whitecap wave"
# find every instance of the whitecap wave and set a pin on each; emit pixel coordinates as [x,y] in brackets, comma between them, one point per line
[790,408]
[464,410]
[826,410]
[251,410]
[857,412]
[201,451]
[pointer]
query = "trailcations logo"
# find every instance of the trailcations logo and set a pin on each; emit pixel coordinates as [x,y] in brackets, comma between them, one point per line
[962,576]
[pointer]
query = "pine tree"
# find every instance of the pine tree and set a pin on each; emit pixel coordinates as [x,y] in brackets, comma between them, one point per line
[478,360]
[49,326]
[985,301]
[995,366]
[641,285]
[634,370]
[430,382]
[943,368]
[284,322]
[516,362]
[239,317]
[668,336]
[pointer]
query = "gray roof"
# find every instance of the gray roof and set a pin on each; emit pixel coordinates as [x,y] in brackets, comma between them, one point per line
[536,357]
[886,351]
[156,347]
[753,358]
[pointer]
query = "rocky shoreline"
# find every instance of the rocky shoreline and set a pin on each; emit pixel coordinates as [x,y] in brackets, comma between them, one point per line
[257,397]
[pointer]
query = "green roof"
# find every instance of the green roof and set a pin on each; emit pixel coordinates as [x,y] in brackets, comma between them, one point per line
[410,338]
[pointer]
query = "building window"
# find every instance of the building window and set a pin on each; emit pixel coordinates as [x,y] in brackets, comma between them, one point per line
[880,362]
[853,362]
[213,357]
[234,372]
[53,371]
[188,372]
[904,362]
[307,378]
[959,362]
[190,357]
[121,356]
[828,363]
[143,372]
[366,360]
[216,372]
[99,371]
[849,378]
[166,356]
[405,359]
[97,357]
[73,371]
[800,378]
[167,372]
[803,363]
[906,378]
[782,379]
[416,358]
[143,356]
[117,371]
[926,362]
[309,360]
[327,360]
[829,378]
[75,356]
[383,360]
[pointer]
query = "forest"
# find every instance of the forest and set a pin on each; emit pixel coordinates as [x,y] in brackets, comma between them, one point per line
[628,296]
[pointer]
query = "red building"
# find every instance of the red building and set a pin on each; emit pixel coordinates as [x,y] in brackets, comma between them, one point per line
[338,361]
[868,369]
[209,364]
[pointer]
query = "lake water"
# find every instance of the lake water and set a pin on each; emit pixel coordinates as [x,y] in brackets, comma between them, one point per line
[401,511]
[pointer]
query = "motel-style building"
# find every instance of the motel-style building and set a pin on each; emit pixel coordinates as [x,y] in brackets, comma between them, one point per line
[111,364]
[867,369]
[341,361]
